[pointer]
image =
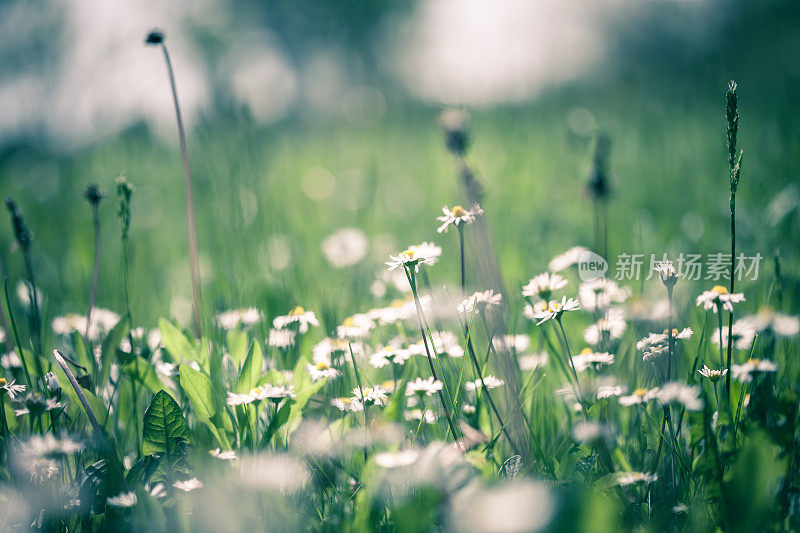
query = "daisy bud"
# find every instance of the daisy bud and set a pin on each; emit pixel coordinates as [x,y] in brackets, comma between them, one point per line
[668,274]
[155,37]
[51,380]
[456,128]
[94,194]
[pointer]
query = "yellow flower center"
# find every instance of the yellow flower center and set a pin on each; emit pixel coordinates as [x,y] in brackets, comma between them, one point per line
[254,391]
[640,393]
[459,211]
[674,332]
[719,289]
[346,401]
[754,361]
[297,311]
[388,385]
[586,351]
[408,254]
[349,322]
[322,366]
[3,382]
[397,303]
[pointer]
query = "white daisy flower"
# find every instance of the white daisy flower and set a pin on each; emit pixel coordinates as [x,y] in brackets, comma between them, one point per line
[712,375]
[490,382]
[396,459]
[345,247]
[426,387]
[660,338]
[298,316]
[156,491]
[655,352]
[567,259]
[372,395]
[674,392]
[347,404]
[235,398]
[639,396]
[555,309]
[355,327]
[321,371]
[10,360]
[743,335]
[282,338]
[512,343]
[767,320]
[609,391]
[589,359]
[458,215]
[718,297]
[231,319]
[480,301]
[543,285]
[389,355]
[600,293]
[11,388]
[533,361]
[587,431]
[427,416]
[629,478]
[667,273]
[426,253]
[744,373]
[224,455]
[124,499]
[102,321]
[611,327]
[188,485]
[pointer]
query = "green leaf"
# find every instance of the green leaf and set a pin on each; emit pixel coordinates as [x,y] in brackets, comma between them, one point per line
[176,342]
[142,371]
[108,350]
[199,389]
[164,426]
[305,390]
[237,345]
[278,420]
[251,370]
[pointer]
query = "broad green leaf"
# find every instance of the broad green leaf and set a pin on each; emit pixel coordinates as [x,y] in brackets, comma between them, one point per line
[394,411]
[251,370]
[164,426]
[278,420]
[108,350]
[199,390]
[142,371]
[176,342]
[305,389]
[97,406]
[237,345]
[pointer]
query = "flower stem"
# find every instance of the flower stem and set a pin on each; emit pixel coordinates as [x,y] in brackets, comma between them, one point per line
[96,269]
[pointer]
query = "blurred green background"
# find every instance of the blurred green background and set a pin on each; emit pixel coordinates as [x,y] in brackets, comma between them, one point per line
[271,186]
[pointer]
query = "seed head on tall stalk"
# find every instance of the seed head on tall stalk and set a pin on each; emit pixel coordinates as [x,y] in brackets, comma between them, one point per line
[599,190]
[125,190]
[94,196]
[24,237]
[156,38]
[734,170]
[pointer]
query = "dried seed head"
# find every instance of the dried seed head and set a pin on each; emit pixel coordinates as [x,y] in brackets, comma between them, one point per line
[155,37]
[22,234]
[599,186]
[94,194]
[456,128]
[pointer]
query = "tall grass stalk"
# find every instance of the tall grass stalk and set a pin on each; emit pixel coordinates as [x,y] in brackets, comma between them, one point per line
[94,195]
[734,170]
[156,38]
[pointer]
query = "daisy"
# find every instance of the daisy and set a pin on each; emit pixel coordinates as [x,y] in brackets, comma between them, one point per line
[426,253]
[743,334]
[639,396]
[600,293]
[489,382]
[567,259]
[10,360]
[611,327]
[533,361]
[629,478]
[225,455]
[555,309]
[660,338]
[345,247]
[396,459]
[34,403]
[426,387]
[10,388]
[427,416]
[321,370]
[744,373]
[712,375]
[608,391]
[674,392]
[372,395]
[389,355]
[282,338]
[355,327]
[480,301]
[512,343]
[655,352]
[235,398]
[591,431]
[543,285]
[767,320]
[188,485]
[458,215]
[298,316]
[231,319]
[667,273]
[273,392]
[347,404]
[124,499]
[589,359]
[718,297]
